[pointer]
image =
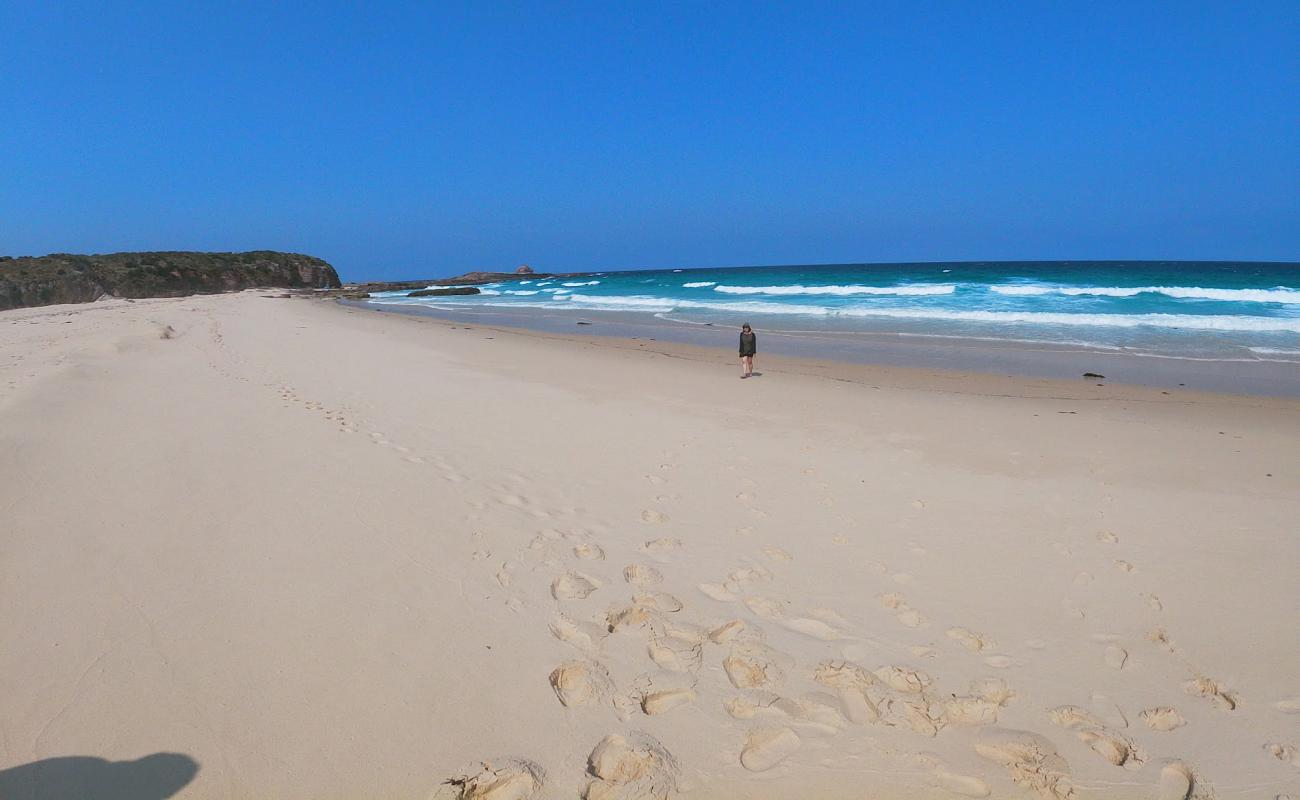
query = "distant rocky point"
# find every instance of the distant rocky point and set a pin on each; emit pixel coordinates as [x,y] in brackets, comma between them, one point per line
[64,278]
[360,291]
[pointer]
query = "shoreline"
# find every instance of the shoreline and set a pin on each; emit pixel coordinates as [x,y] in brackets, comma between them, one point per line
[862,357]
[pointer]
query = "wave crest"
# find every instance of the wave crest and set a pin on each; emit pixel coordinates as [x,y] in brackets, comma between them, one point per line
[1279,294]
[913,289]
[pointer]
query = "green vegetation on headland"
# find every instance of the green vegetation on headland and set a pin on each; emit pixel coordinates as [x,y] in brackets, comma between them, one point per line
[63,278]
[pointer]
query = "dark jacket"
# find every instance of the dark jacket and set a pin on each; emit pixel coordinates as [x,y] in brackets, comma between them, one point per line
[748,344]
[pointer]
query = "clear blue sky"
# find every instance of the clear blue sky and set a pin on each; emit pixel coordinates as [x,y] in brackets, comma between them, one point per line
[416,139]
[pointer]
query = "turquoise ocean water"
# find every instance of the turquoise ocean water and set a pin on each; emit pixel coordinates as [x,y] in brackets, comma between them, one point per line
[1202,310]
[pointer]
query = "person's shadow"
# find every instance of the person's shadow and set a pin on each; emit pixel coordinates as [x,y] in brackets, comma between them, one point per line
[154,777]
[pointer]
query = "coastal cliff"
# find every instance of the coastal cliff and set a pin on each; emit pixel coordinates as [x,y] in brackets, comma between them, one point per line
[63,278]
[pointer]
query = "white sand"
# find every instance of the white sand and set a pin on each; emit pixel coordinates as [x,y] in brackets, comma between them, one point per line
[328,553]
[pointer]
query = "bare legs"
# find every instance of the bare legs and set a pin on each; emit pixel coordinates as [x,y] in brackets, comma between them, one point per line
[746,366]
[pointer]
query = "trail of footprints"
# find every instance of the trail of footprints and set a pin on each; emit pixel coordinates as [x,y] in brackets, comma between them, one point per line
[783,704]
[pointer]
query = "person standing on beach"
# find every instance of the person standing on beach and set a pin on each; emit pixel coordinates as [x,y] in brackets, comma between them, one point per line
[748,346]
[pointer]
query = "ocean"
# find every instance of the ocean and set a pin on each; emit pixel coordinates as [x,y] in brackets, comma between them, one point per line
[1234,311]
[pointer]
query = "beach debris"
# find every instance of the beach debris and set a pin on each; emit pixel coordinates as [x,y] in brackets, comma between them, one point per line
[511,779]
[1093,375]
[582,322]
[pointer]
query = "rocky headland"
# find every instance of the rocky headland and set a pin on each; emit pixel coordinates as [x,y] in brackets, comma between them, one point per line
[65,278]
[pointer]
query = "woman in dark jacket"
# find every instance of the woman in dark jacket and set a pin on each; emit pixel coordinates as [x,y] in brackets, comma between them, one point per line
[748,346]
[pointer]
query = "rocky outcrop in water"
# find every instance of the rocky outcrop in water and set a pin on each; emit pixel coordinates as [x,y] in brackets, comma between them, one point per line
[64,278]
[451,290]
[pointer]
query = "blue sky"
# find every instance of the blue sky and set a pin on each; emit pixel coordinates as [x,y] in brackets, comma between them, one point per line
[419,139]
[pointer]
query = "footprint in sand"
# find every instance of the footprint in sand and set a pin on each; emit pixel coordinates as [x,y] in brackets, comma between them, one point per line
[904,613]
[628,618]
[1176,782]
[676,652]
[853,685]
[656,480]
[1124,566]
[729,631]
[659,601]
[1290,705]
[1074,718]
[1211,690]
[574,633]
[766,747]
[752,667]
[1116,749]
[503,779]
[765,607]
[579,683]
[573,586]
[1153,602]
[1106,537]
[635,767]
[589,552]
[1288,753]
[1162,718]
[813,628]
[661,548]
[777,554]
[1030,759]
[641,575]
[661,700]
[1157,636]
[717,592]
[653,517]
[969,639]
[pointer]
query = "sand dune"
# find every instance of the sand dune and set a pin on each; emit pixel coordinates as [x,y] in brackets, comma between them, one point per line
[330,553]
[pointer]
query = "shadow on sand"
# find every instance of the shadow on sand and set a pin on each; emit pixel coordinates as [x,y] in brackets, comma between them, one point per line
[154,777]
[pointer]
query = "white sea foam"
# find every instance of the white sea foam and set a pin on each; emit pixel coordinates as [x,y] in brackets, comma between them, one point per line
[523,292]
[581,283]
[488,291]
[1279,294]
[1274,351]
[1180,321]
[915,289]
[624,302]
[698,284]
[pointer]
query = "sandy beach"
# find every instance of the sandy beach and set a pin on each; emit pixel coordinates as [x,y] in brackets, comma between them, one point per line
[316,551]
